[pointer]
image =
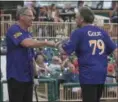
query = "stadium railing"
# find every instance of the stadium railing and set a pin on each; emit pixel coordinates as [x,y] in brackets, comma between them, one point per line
[56,29]
[70,92]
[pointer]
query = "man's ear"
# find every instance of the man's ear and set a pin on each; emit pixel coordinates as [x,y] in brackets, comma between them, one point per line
[21,17]
[82,19]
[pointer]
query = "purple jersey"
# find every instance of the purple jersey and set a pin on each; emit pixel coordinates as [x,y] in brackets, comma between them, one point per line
[92,45]
[19,58]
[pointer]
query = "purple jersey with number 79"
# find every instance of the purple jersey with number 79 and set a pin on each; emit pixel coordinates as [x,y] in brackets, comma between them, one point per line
[92,45]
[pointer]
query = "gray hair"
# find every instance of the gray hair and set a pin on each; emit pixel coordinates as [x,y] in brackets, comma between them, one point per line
[21,11]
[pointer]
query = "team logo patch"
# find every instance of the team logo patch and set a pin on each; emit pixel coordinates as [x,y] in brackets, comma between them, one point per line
[16,35]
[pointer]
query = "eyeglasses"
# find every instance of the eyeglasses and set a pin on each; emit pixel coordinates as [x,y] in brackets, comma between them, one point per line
[29,15]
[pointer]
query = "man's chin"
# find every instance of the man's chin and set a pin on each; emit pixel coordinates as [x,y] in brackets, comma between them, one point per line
[30,25]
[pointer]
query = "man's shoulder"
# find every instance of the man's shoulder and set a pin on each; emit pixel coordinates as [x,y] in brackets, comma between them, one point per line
[82,29]
[77,31]
[13,28]
[95,28]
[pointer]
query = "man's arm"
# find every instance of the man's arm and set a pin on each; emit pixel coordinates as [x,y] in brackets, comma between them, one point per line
[34,43]
[60,47]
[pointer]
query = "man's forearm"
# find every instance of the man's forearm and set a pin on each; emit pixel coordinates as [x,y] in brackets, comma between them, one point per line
[35,44]
[41,44]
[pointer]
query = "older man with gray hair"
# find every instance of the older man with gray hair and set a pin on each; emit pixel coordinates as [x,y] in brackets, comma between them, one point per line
[20,57]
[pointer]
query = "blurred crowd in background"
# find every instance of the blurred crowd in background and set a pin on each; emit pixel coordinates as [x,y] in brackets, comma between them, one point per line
[59,11]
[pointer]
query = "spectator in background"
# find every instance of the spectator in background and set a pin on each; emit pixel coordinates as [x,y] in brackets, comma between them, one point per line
[46,14]
[63,56]
[68,8]
[57,17]
[114,16]
[55,66]
[41,66]
[80,3]
[111,72]
[76,64]
[114,21]
[36,9]
[70,73]
[53,10]
[49,12]
[43,14]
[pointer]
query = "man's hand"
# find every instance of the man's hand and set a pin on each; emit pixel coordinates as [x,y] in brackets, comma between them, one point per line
[57,44]
[61,42]
[51,43]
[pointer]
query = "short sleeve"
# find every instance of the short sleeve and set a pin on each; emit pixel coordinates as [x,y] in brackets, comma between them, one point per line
[70,45]
[110,44]
[16,35]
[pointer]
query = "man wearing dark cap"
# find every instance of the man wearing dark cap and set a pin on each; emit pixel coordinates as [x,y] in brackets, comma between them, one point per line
[91,45]
[20,57]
